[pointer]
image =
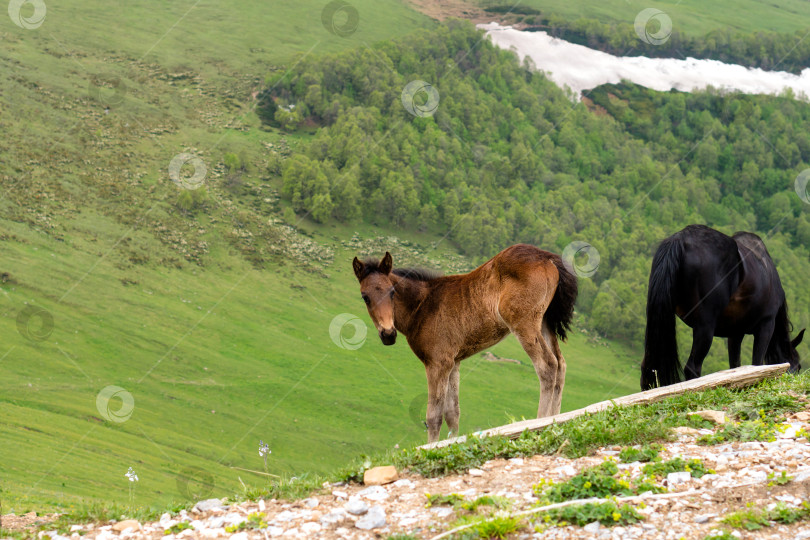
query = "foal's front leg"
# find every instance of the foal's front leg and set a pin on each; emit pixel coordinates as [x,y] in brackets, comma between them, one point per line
[452,411]
[438,378]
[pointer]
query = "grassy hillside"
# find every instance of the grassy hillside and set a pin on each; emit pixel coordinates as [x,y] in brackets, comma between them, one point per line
[215,360]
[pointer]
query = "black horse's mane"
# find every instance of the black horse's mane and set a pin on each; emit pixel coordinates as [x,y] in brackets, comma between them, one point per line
[370,266]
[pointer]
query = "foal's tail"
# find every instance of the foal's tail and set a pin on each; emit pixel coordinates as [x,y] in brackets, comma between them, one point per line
[661,366]
[561,309]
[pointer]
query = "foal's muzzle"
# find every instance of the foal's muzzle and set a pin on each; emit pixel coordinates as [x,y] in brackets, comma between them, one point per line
[388,337]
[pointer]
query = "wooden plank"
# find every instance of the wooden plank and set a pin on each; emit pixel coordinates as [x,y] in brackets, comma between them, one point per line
[732,378]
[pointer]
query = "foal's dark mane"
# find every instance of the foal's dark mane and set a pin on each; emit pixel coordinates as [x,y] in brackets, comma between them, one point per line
[372,266]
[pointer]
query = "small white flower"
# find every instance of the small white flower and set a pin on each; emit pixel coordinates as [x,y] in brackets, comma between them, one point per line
[131,475]
[264,449]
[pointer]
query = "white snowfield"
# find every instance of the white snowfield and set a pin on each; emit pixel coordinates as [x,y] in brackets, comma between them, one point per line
[581,68]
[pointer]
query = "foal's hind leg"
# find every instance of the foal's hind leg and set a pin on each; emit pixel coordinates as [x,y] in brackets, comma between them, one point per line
[546,366]
[559,384]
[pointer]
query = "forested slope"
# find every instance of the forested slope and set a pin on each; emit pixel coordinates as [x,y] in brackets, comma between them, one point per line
[509,157]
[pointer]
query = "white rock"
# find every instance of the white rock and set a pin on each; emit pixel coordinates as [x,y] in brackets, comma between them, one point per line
[239,536]
[678,477]
[442,511]
[286,515]
[374,493]
[592,527]
[262,506]
[516,460]
[374,518]
[206,505]
[356,506]
[340,494]
[404,482]
[475,472]
[311,502]
[704,518]
[311,527]
[215,532]
[566,470]
[333,518]
[275,531]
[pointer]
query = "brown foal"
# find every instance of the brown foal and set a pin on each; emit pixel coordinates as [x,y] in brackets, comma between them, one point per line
[523,290]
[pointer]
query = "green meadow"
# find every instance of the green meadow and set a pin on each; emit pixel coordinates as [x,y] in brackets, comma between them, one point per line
[216,360]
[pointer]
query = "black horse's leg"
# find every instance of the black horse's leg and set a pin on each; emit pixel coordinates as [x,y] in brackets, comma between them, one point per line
[762,338]
[701,343]
[734,344]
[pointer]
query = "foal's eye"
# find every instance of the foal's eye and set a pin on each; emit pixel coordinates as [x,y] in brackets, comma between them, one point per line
[365,299]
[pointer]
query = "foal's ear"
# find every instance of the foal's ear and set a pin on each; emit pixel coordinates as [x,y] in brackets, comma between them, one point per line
[358,266]
[797,339]
[386,264]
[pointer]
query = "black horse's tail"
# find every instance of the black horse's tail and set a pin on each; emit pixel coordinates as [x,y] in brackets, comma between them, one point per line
[561,309]
[661,366]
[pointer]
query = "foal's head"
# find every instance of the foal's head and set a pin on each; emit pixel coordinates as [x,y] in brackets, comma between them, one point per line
[377,291]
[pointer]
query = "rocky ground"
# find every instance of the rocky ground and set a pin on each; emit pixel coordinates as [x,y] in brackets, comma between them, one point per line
[743,475]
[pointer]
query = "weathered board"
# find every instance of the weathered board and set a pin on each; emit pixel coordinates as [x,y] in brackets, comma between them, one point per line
[732,378]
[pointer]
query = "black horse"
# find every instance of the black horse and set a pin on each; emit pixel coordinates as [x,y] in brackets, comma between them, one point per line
[719,286]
